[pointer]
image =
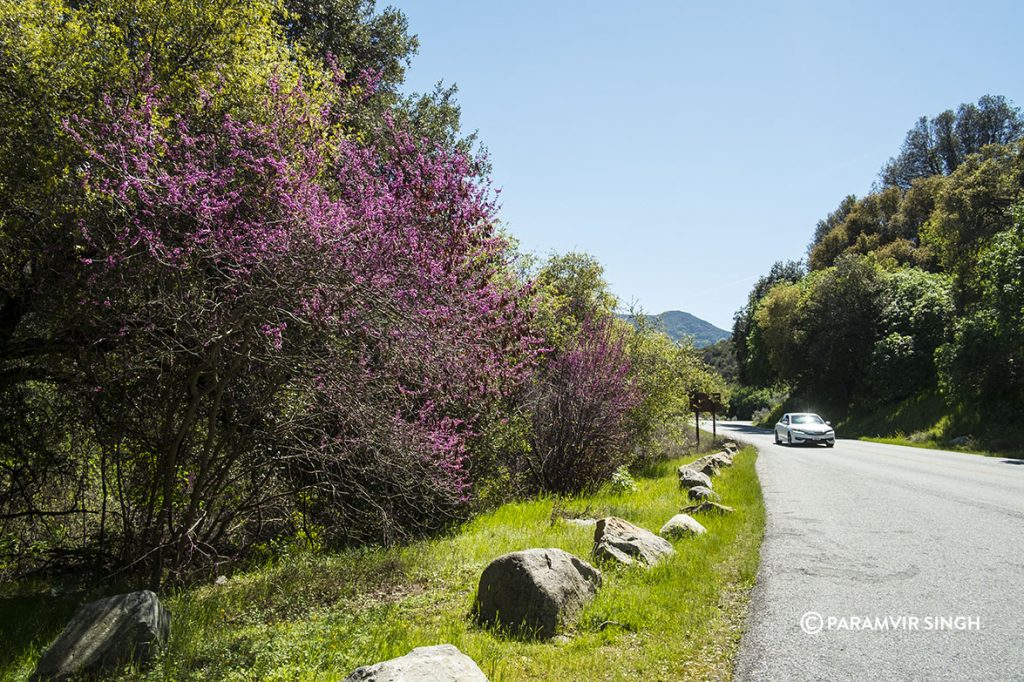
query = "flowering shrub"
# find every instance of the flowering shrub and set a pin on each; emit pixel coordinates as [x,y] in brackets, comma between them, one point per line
[580,407]
[270,308]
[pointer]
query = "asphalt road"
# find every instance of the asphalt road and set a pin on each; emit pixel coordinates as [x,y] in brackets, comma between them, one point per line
[886,534]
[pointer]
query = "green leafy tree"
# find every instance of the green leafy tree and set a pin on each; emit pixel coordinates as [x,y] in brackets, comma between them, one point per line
[720,358]
[973,206]
[832,220]
[570,289]
[836,328]
[984,360]
[866,226]
[915,311]
[436,116]
[918,157]
[939,145]
[776,317]
[360,40]
[751,359]
[354,35]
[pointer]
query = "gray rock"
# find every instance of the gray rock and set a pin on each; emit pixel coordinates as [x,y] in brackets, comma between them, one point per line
[105,634]
[690,478]
[705,466]
[535,591]
[441,663]
[681,525]
[709,468]
[700,493]
[221,580]
[721,460]
[731,446]
[619,540]
[708,508]
[960,441]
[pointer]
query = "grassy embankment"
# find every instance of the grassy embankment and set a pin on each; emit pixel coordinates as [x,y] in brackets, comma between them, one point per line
[317,617]
[924,421]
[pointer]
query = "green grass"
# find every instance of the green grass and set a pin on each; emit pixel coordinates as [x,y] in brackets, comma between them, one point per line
[915,441]
[926,421]
[28,622]
[317,617]
[925,415]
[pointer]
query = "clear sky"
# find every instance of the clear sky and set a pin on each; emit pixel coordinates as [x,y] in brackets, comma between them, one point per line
[690,144]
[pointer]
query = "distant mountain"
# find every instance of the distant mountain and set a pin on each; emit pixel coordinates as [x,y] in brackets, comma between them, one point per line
[678,324]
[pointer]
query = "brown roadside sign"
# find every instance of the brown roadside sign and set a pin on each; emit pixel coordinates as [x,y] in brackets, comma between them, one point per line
[706,402]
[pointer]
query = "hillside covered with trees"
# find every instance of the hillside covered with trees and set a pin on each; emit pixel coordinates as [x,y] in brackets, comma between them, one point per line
[911,295]
[682,326]
[252,297]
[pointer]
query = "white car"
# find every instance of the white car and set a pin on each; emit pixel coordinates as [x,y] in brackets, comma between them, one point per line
[803,427]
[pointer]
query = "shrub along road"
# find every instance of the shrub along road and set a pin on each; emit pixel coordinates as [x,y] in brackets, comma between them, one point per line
[875,531]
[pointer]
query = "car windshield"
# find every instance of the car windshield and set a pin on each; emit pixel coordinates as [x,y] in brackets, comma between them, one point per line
[807,419]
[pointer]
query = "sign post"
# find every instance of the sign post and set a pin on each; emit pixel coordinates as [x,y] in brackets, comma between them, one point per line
[706,402]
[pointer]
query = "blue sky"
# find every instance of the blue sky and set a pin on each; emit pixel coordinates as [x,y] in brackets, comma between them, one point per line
[689,145]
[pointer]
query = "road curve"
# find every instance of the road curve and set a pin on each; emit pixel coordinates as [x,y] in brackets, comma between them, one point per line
[867,537]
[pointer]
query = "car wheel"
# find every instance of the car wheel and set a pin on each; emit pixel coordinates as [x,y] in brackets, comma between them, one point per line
[789,438]
[778,441]
[830,443]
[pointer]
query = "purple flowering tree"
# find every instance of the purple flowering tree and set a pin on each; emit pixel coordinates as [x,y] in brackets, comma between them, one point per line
[279,328]
[580,408]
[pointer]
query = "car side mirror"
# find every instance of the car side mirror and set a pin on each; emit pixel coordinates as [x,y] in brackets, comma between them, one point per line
[828,423]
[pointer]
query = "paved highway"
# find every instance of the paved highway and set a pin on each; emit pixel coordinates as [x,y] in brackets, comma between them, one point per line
[866,538]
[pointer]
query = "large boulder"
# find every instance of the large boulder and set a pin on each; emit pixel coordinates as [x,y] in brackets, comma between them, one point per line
[619,540]
[533,592]
[680,526]
[106,634]
[441,663]
[691,478]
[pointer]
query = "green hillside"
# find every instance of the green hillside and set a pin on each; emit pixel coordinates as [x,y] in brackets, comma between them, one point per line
[678,324]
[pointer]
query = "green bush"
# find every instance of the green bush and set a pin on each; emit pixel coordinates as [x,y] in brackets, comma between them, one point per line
[747,401]
[623,481]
